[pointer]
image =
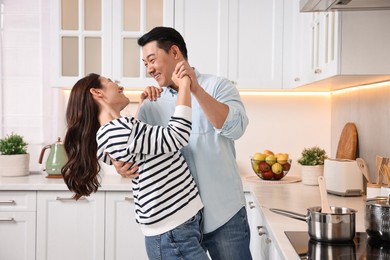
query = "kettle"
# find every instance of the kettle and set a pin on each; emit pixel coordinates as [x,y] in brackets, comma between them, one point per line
[56,159]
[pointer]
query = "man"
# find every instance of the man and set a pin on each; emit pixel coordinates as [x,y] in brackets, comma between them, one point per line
[218,120]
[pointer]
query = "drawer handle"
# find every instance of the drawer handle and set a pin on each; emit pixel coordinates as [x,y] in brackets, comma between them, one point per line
[251,205]
[69,199]
[129,198]
[8,202]
[7,220]
[260,230]
[318,71]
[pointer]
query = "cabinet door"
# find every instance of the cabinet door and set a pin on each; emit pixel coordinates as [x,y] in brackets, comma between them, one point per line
[17,235]
[296,45]
[101,37]
[255,224]
[255,31]
[69,229]
[203,25]
[17,225]
[124,239]
[239,40]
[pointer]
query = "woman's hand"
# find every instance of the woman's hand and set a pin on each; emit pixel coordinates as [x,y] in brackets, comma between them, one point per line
[150,92]
[180,77]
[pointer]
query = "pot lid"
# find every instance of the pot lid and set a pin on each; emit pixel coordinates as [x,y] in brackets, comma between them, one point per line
[380,201]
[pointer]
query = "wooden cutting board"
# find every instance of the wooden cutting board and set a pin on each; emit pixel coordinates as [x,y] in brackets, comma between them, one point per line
[347,146]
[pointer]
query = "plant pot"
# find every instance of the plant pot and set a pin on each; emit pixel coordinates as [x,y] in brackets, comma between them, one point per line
[14,165]
[310,174]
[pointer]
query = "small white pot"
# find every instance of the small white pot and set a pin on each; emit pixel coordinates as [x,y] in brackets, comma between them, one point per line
[14,165]
[310,174]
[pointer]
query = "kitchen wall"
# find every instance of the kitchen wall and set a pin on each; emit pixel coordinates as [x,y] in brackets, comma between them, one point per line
[279,122]
[369,108]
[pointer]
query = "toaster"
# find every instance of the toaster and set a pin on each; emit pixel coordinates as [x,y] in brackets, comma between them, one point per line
[343,177]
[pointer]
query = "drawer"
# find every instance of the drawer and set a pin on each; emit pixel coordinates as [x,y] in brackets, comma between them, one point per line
[18,201]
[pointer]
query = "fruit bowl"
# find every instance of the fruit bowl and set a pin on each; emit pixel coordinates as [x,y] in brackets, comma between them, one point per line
[271,169]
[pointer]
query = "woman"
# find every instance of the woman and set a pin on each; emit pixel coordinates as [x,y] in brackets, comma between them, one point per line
[167,202]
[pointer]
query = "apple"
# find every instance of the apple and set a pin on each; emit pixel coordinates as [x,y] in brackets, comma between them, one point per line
[263,167]
[278,176]
[277,168]
[286,166]
[259,157]
[267,175]
[282,158]
[268,152]
[270,159]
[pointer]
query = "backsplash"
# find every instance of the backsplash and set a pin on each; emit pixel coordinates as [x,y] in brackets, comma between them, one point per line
[369,108]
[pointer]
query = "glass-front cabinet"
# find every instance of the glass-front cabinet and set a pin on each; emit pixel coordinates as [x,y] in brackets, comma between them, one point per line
[101,36]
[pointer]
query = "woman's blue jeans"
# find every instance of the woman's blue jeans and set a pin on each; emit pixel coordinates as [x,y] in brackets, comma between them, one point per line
[181,243]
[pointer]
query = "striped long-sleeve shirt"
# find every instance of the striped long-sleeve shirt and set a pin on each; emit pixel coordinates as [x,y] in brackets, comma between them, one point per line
[165,194]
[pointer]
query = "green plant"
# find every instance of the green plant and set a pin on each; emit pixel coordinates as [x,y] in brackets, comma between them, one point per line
[313,156]
[13,144]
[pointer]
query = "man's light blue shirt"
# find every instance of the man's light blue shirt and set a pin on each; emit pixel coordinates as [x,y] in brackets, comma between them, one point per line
[210,154]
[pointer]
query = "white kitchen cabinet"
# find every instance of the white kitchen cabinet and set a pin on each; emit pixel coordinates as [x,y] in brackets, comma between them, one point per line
[124,239]
[240,40]
[334,50]
[261,245]
[69,229]
[17,225]
[101,37]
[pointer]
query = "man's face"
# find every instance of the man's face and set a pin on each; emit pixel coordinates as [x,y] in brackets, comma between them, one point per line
[159,64]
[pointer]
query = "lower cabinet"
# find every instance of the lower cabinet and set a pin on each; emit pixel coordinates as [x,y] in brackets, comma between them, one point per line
[17,225]
[261,245]
[124,239]
[70,229]
[46,225]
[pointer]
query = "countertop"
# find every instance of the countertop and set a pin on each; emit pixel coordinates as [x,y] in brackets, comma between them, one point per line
[295,197]
[39,181]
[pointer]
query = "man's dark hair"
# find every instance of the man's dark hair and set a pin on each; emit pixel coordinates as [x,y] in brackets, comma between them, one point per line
[165,38]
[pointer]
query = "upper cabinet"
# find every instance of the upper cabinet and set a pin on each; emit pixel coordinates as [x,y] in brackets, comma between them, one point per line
[334,50]
[101,36]
[239,40]
[257,44]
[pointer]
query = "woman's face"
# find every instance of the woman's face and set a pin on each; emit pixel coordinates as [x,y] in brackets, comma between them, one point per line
[113,94]
[159,64]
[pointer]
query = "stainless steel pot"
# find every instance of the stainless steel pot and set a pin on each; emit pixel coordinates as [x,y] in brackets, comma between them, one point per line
[335,227]
[377,218]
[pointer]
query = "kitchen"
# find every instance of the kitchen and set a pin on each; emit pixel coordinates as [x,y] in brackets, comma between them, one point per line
[282,118]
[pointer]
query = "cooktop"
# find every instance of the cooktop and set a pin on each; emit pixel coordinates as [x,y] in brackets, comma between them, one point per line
[362,247]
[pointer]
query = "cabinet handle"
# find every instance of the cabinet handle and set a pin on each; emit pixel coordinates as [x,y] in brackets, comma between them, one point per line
[318,71]
[7,220]
[251,205]
[297,79]
[260,230]
[69,199]
[129,198]
[12,202]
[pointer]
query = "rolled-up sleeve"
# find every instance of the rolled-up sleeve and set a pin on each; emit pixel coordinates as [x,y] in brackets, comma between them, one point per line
[236,121]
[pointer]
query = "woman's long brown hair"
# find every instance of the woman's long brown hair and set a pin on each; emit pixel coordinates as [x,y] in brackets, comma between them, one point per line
[81,171]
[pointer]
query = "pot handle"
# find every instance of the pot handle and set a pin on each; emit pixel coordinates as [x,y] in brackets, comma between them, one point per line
[289,214]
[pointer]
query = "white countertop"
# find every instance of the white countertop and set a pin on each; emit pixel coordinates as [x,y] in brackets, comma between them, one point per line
[298,198]
[39,181]
[294,197]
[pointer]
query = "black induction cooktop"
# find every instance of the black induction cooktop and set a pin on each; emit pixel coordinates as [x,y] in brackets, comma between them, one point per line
[362,247]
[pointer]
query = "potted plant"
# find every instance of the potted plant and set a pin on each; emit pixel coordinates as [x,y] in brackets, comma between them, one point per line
[14,159]
[312,160]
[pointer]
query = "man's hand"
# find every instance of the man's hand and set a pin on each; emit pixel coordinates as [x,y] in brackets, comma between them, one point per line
[126,170]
